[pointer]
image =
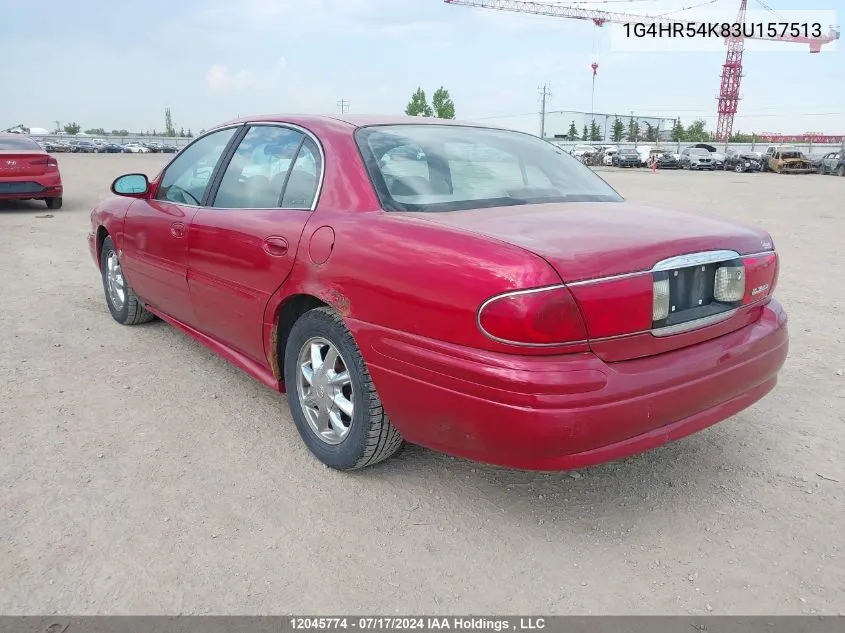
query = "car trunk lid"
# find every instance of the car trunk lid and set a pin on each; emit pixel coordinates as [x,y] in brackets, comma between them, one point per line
[605,253]
[22,164]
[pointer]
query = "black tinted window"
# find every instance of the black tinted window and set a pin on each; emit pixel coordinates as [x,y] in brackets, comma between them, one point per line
[451,167]
[18,142]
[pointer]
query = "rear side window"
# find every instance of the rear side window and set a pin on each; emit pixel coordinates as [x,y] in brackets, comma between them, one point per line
[18,142]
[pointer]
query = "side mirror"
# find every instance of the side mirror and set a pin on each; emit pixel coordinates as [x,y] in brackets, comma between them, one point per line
[132,185]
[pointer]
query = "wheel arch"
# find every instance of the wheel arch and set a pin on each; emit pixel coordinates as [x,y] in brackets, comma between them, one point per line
[285,315]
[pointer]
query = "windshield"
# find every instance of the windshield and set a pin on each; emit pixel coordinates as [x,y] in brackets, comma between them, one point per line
[18,142]
[629,152]
[450,167]
[791,155]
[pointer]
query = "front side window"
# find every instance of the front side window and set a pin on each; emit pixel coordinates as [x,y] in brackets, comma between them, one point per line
[186,179]
[450,167]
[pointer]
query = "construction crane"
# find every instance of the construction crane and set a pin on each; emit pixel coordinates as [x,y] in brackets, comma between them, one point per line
[731,69]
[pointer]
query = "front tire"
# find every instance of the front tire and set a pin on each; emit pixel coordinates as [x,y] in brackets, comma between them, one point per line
[124,305]
[332,398]
[53,203]
[841,170]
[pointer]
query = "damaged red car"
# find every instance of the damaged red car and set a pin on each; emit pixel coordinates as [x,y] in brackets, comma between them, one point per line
[473,290]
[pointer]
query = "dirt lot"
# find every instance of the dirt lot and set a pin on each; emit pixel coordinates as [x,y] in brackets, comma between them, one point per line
[142,474]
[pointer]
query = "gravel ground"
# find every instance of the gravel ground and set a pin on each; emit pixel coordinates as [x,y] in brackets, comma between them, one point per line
[142,474]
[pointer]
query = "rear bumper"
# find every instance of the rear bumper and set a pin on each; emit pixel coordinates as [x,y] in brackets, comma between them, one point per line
[25,187]
[556,413]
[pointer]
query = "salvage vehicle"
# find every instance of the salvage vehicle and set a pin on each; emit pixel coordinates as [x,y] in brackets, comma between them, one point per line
[742,161]
[666,160]
[626,158]
[28,172]
[789,161]
[495,299]
[832,163]
[695,158]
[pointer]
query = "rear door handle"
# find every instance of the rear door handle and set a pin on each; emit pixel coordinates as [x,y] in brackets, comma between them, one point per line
[177,229]
[276,246]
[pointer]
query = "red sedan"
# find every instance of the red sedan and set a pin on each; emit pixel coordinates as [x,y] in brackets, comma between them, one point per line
[474,290]
[27,172]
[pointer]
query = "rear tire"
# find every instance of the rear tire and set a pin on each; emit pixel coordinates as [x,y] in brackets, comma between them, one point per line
[841,170]
[339,440]
[53,203]
[123,303]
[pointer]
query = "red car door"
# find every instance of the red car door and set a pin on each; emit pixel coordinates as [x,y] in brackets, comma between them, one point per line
[154,255]
[242,246]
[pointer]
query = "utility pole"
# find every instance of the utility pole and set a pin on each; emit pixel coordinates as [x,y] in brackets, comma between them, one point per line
[343,106]
[545,95]
[58,127]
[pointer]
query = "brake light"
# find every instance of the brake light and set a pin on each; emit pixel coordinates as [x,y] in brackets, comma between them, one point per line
[761,276]
[624,305]
[49,162]
[539,316]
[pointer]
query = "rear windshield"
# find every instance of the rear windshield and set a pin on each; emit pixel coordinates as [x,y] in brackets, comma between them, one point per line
[17,142]
[629,152]
[451,167]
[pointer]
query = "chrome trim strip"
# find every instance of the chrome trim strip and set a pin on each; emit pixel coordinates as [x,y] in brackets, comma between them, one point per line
[598,280]
[515,293]
[688,326]
[694,259]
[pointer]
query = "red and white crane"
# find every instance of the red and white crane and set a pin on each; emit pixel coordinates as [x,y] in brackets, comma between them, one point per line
[731,69]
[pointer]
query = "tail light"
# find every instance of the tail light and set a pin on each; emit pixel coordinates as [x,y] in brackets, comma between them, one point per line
[624,305]
[49,162]
[761,276]
[536,317]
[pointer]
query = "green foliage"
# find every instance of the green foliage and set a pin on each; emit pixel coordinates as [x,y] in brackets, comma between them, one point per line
[96,131]
[72,128]
[678,131]
[595,131]
[617,131]
[573,132]
[169,130]
[444,107]
[651,132]
[633,130]
[418,105]
[697,131]
[585,135]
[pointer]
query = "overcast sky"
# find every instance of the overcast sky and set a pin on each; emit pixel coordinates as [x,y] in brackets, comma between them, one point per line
[118,64]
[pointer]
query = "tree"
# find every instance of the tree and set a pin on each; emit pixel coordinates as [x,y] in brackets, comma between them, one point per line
[678,132]
[72,128]
[595,131]
[573,132]
[651,132]
[697,131]
[633,130]
[617,131]
[96,131]
[182,133]
[191,134]
[418,105]
[444,107]
[585,135]
[169,130]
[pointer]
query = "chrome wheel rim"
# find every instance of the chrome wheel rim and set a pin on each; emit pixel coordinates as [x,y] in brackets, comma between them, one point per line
[325,390]
[115,283]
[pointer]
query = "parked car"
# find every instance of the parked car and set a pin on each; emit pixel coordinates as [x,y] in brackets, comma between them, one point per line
[789,161]
[28,172]
[742,161]
[110,148]
[530,318]
[82,147]
[696,158]
[60,146]
[666,160]
[169,149]
[832,163]
[626,158]
[609,153]
[136,148]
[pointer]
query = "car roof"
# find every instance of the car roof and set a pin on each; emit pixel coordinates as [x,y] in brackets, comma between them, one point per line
[315,122]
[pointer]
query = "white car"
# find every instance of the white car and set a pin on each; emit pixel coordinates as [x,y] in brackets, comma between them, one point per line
[136,148]
[608,156]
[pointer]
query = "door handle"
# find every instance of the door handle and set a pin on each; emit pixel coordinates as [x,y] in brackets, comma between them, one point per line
[177,229]
[275,246]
